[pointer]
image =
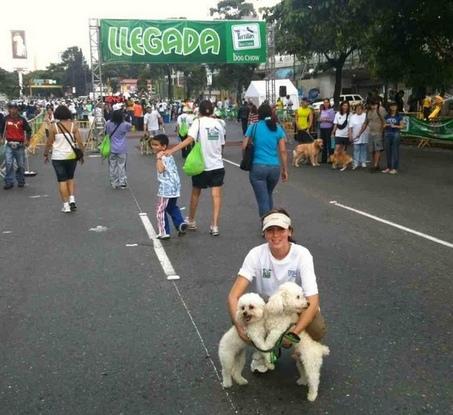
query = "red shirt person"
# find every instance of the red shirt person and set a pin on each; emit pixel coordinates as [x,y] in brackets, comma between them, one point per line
[17,132]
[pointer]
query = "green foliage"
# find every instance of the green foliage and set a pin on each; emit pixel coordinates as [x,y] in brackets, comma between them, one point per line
[9,83]
[233,10]
[413,43]
[330,28]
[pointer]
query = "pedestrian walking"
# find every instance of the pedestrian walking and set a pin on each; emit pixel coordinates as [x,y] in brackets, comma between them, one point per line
[152,121]
[270,158]
[169,189]
[183,123]
[16,131]
[138,115]
[273,263]
[253,115]
[243,116]
[64,136]
[392,128]
[340,127]
[358,137]
[117,129]
[326,118]
[210,133]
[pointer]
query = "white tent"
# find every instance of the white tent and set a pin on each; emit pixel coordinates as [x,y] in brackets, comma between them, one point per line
[256,92]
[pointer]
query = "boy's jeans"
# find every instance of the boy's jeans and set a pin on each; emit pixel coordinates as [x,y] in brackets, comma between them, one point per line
[17,154]
[392,149]
[263,179]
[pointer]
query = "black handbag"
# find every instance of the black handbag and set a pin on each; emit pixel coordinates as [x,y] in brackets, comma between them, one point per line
[77,151]
[247,153]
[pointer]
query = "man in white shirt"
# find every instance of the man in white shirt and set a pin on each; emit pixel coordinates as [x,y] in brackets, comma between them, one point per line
[152,122]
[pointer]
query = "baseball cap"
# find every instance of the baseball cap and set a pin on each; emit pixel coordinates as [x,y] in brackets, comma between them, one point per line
[276,219]
[13,105]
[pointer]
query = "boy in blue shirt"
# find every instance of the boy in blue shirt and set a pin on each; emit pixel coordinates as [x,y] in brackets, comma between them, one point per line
[169,190]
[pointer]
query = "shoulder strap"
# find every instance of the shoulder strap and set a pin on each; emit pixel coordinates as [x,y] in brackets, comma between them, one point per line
[114,131]
[70,142]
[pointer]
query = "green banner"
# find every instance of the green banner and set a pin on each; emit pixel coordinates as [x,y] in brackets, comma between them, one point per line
[183,41]
[442,129]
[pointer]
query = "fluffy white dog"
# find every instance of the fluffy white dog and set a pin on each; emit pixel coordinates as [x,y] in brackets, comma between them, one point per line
[282,310]
[232,349]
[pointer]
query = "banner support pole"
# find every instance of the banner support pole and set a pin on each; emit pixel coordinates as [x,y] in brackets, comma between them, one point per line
[97,87]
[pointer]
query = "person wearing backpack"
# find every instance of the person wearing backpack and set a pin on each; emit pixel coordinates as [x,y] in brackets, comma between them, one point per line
[183,123]
[117,129]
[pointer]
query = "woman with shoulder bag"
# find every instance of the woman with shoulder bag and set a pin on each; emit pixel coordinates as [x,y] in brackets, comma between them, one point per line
[270,158]
[340,127]
[66,144]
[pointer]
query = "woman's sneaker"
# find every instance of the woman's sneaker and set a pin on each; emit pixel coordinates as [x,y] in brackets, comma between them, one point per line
[182,229]
[386,171]
[72,206]
[214,231]
[393,171]
[191,225]
[66,208]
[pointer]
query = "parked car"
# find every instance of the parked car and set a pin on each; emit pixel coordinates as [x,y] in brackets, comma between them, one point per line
[353,99]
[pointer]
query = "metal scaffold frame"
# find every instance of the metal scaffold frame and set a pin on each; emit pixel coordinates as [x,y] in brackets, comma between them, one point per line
[270,64]
[95,59]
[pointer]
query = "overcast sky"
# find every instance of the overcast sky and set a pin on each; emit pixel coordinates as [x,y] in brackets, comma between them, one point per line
[49,33]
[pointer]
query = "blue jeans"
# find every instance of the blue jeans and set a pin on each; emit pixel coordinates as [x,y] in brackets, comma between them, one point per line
[19,155]
[360,153]
[263,179]
[392,149]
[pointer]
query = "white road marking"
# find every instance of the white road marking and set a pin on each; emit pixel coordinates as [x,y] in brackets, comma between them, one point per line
[158,248]
[395,225]
[99,228]
[92,156]
[203,344]
[37,196]
[129,245]
[231,162]
[7,232]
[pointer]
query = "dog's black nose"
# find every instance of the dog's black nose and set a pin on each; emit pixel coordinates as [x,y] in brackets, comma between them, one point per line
[308,304]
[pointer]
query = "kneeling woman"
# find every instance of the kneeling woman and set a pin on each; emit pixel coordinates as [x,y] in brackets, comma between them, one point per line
[277,261]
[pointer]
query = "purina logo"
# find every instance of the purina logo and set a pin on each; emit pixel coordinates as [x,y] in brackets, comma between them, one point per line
[246,36]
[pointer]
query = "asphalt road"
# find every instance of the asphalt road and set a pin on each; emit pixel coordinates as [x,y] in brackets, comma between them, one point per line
[89,325]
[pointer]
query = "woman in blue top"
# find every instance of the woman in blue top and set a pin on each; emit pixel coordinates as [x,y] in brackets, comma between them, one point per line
[270,159]
[392,128]
[117,129]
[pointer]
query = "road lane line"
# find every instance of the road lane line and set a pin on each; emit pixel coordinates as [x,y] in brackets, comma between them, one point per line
[158,248]
[231,162]
[395,225]
[203,344]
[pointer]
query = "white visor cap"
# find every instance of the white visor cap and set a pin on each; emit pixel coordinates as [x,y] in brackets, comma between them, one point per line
[276,219]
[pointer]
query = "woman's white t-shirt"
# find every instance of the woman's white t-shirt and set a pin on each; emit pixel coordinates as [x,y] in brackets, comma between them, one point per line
[61,149]
[269,273]
[356,122]
[339,120]
[212,137]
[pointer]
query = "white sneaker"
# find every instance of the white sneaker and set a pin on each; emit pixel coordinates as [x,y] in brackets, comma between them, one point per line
[163,236]
[66,208]
[354,167]
[214,231]
[191,225]
[364,165]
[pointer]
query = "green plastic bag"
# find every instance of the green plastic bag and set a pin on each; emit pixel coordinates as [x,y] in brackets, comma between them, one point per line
[194,164]
[184,128]
[104,147]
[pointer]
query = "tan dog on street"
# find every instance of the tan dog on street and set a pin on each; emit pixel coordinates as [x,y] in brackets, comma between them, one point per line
[308,151]
[340,159]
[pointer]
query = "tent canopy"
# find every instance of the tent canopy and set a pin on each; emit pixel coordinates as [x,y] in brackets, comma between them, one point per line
[256,92]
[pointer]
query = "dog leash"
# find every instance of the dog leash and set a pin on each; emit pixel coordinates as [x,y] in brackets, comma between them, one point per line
[276,350]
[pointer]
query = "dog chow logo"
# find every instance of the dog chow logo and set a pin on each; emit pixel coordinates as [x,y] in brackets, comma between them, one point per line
[246,36]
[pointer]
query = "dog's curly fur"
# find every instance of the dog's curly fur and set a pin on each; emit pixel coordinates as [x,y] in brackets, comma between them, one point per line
[250,313]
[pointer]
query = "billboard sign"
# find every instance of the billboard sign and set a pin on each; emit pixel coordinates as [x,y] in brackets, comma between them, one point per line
[183,41]
[18,44]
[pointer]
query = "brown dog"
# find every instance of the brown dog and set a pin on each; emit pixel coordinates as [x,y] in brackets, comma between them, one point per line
[340,159]
[309,151]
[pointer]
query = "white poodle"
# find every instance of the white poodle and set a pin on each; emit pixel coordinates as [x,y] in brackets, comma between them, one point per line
[282,310]
[250,312]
